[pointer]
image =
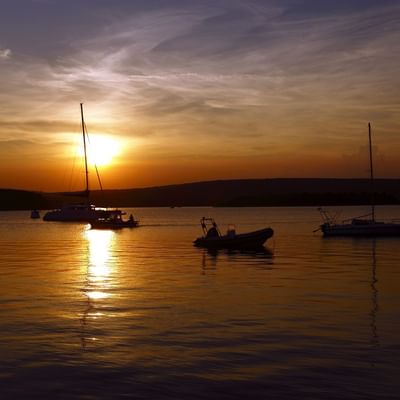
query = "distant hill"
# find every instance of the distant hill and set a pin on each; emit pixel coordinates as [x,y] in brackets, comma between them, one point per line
[257,192]
[12,199]
[228,193]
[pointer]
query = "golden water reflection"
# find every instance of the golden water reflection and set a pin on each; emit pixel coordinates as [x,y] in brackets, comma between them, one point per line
[100,245]
[99,272]
[100,261]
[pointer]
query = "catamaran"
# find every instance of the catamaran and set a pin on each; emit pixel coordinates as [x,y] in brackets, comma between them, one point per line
[364,225]
[84,211]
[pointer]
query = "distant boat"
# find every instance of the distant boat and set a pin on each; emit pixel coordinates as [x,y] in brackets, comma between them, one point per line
[114,221]
[84,211]
[35,214]
[212,237]
[364,225]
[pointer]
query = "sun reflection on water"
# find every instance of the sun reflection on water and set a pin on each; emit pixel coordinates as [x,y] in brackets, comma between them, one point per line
[100,260]
[99,273]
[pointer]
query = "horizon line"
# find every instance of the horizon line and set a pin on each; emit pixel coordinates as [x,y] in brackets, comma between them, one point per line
[198,182]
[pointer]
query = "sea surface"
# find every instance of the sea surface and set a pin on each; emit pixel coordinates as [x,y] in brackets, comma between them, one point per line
[142,314]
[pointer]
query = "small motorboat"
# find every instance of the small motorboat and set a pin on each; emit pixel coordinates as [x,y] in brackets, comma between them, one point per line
[35,214]
[212,237]
[114,221]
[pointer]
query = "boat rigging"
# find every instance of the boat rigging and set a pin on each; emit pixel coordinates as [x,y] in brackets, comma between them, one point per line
[83,211]
[364,225]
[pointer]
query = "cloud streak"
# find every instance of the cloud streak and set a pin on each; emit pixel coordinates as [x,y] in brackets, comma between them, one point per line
[5,54]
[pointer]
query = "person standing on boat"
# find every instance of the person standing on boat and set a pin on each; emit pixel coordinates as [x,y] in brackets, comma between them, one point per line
[213,231]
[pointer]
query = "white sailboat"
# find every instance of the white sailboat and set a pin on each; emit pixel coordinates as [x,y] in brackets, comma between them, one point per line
[84,211]
[365,225]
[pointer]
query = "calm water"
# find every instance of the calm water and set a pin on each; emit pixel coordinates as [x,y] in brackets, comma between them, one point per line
[141,313]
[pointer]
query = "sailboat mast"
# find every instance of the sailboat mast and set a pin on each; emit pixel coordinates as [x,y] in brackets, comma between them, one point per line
[371,169]
[84,150]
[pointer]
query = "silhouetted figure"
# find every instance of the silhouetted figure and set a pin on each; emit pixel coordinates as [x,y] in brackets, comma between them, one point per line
[213,231]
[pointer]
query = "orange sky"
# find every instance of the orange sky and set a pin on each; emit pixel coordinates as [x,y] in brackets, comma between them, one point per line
[195,91]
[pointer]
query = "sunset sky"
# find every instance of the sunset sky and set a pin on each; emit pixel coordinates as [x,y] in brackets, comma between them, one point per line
[184,90]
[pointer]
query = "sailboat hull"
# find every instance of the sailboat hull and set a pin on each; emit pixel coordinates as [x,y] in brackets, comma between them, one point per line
[77,213]
[373,229]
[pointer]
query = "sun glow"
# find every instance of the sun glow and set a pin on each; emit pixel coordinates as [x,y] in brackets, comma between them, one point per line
[101,150]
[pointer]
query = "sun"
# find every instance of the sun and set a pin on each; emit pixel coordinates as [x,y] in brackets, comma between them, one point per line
[101,149]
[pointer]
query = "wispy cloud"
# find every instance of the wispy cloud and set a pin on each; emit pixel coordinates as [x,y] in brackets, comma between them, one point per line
[5,54]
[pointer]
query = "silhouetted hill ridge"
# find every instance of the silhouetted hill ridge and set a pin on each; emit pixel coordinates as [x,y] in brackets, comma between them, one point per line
[240,192]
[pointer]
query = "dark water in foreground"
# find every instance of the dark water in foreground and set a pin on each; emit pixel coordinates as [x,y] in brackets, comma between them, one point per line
[141,313]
